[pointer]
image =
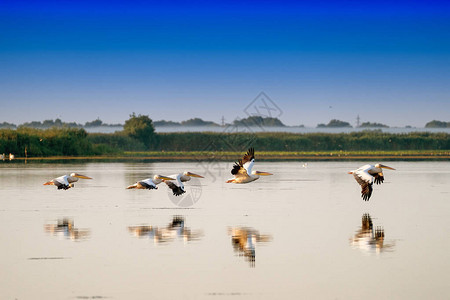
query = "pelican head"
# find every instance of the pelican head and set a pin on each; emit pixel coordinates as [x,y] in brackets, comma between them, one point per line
[192,174]
[80,176]
[260,173]
[383,167]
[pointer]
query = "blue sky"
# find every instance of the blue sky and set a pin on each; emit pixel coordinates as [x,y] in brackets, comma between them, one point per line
[78,60]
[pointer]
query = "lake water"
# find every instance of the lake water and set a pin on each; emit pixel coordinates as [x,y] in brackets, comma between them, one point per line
[303,233]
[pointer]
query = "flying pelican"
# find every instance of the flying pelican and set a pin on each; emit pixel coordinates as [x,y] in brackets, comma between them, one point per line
[178,187]
[65,182]
[150,183]
[242,170]
[366,175]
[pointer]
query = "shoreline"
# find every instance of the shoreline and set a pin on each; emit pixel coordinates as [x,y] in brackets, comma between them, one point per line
[261,156]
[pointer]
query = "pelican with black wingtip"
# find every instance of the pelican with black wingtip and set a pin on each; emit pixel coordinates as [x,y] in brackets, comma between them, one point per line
[150,183]
[66,182]
[177,186]
[367,175]
[242,170]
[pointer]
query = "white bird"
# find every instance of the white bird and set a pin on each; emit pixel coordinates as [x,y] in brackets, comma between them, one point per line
[149,183]
[178,186]
[66,181]
[366,175]
[242,170]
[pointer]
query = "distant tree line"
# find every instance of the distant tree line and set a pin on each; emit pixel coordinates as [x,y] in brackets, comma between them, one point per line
[138,134]
[437,124]
[58,123]
[252,121]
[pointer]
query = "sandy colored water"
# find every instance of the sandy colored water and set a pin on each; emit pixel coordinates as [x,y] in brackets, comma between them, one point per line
[303,233]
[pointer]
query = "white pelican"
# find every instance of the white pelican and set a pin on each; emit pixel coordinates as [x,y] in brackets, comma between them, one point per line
[366,175]
[242,170]
[178,186]
[150,183]
[66,181]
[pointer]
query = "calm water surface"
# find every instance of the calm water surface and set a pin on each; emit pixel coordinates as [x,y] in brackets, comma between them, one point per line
[303,233]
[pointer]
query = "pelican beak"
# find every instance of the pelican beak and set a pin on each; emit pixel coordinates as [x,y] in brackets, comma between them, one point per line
[82,176]
[263,173]
[165,177]
[386,167]
[194,175]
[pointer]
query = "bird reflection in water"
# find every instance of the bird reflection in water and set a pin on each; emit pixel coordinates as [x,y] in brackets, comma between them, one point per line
[166,234]
[244,240]
[370,239]
[65,227]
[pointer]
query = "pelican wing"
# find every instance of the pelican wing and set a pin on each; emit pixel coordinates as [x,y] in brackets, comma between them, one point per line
[379,178]
[177,190]
[62,180]
[248,160]
[365,180]
[148,184]
[244,165]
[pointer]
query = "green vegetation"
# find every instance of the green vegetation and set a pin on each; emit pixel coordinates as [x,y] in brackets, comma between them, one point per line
[335,123]
[49,124]
[437,124]
[373,125]
[355,141]
[259,121]
[166,123]
[46,124]
[191,122]
[141,128]
[7,125]
[139,136]
[198,122]
[48,142]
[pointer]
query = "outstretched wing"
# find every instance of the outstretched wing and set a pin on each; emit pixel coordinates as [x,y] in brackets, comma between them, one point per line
[147,184]
[144,184]
[61,182]
[177,190]
[244,165]
[379,178]
[365,180]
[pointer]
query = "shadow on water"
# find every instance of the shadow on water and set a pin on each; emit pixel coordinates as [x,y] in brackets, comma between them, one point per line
[65,228]
[370,239]
[175,229]
[244,240]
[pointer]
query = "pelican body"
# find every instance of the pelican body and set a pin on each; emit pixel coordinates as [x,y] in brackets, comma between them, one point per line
[367,175]
[242,170]
[150,183]
[177,187]
[66,182]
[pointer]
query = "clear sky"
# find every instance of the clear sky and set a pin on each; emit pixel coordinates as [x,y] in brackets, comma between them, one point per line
[79,60]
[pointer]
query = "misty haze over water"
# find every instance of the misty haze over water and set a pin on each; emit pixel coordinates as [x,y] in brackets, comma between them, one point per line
[232,128]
